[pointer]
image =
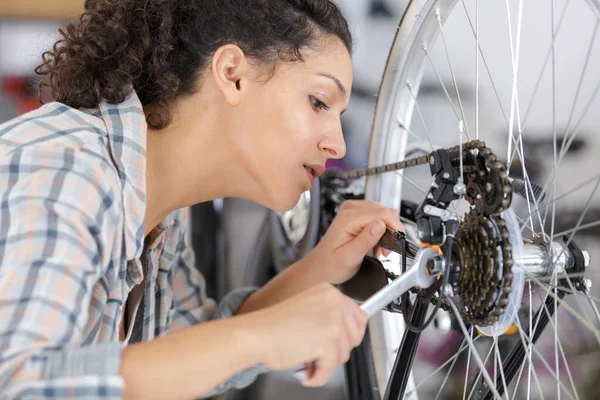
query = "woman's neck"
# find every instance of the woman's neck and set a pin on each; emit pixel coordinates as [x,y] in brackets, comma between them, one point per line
[187,162]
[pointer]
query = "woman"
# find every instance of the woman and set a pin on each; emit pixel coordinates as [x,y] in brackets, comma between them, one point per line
[159,105]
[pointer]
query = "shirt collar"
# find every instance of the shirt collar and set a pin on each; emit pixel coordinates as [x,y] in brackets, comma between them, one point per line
[127,129]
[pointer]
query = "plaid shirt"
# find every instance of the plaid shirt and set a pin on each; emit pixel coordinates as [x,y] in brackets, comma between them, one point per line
[72,251]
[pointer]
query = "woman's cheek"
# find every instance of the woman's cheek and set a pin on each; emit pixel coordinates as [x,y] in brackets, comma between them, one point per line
[304,129]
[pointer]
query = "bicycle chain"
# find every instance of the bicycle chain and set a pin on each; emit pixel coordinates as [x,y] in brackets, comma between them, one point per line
[484,295]
[412,162]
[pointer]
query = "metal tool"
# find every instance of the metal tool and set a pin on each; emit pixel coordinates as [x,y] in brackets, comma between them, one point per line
[416,276]
[392,240]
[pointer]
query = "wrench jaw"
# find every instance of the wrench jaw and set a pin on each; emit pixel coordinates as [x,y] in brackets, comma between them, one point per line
[416,276]
[423,278]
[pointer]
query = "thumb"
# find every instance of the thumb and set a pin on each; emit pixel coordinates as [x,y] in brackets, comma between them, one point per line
[366,239]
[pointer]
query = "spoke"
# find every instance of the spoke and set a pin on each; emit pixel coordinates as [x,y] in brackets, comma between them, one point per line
[514,55]
[515,107]
[519,150]
[541,73]
[419,188]
[519,379]
[501,368]
[562,352]
[486,376]
[580,83]
[426,50]
[553,125]
[595,6]
[460,135]
[528,343]
[475,32]
[580,228]
[535,328]
[567,307]
[525,224]
[593,305]
[452,360]
[568,192]
[476,69]
[553,208]
[586,295]
[579,86]
[560,346]
[529,349]
[572,137]
[536,206]
[575,130]
[556,363]
[571,275]
[581,217]
[571,288]
[410,88]
[467,369]
[543,300]
[462,111]
[577,298]
[437,396]
[477,378]
[554,196]
[407,129]
[495,363]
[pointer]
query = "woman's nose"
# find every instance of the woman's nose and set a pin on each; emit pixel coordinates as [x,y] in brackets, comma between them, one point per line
[333,143]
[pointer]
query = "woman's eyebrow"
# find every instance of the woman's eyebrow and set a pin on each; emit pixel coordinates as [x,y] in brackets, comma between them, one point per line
[338,83]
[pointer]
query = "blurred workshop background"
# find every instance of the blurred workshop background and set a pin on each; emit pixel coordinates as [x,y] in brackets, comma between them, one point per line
[228,256]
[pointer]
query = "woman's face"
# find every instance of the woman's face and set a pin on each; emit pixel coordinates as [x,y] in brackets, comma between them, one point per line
[285,129]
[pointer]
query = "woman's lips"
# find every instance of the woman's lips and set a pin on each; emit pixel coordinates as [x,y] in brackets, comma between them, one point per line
[310,175]
[313,172]
[316,170]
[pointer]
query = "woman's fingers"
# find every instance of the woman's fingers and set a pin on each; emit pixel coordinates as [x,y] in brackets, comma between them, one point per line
[363,213]
[324,367]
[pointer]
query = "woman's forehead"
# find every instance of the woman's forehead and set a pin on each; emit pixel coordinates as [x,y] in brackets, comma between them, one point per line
[329,61]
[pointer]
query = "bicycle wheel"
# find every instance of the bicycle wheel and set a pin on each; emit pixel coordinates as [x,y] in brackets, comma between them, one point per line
[522,77]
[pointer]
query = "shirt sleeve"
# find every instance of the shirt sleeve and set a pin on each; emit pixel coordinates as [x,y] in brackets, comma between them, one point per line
[192,306]
[57,229]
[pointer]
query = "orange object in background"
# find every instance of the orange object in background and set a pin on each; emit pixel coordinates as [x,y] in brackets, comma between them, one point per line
[45,9]
[512,330]
[433,246]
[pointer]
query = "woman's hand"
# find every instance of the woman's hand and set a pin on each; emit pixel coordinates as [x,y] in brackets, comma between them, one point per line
[319,324]
[354,232]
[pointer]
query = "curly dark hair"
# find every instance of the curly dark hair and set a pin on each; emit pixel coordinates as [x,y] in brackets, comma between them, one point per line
[159,48]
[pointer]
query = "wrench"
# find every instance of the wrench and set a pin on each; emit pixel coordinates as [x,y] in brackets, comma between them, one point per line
[415,276]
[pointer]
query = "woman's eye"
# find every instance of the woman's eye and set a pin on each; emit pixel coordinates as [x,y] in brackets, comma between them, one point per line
[318,105]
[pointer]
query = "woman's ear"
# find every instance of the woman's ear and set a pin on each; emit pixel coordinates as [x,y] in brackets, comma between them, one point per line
[229,70]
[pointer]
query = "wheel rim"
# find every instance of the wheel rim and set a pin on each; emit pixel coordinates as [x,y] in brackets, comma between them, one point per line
[392,140]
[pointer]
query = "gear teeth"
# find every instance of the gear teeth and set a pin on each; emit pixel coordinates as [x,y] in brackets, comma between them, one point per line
[483,294]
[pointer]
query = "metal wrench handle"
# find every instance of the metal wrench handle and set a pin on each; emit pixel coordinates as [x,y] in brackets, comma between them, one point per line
[415,276]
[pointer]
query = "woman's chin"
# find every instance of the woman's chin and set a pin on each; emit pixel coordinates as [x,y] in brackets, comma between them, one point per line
[283,200]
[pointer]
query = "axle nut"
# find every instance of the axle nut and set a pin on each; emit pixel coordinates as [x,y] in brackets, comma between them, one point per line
[586,258]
